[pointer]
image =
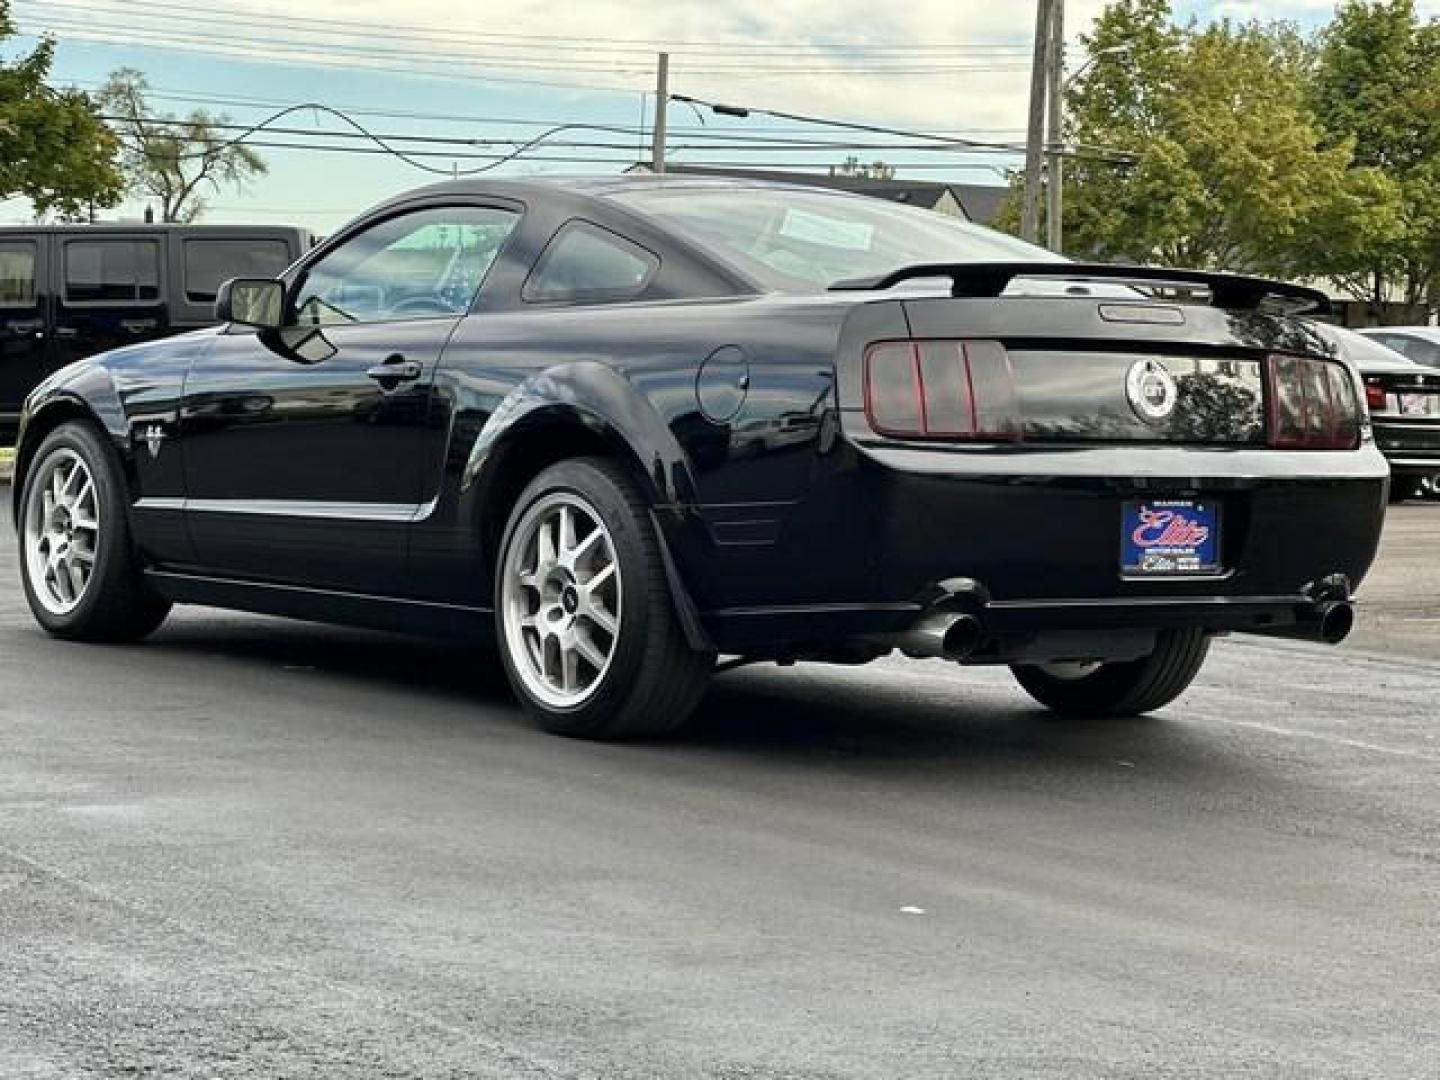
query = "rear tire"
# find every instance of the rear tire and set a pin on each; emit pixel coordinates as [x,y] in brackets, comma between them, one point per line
[588,631]
[1121,688]
[82,575]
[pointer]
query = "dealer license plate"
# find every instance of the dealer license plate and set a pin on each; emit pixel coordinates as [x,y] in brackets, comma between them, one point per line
[1170,537]
[1419,404]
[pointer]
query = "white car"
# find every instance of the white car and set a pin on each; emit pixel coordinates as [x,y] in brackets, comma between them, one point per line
[1403,394]
[1418,343]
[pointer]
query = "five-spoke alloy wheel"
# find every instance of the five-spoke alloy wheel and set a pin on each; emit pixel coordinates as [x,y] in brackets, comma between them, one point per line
[82,575]
[562,599]
[62,530]
[588,629]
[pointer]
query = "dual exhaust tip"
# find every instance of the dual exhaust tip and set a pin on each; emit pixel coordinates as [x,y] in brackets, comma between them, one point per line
[955,636]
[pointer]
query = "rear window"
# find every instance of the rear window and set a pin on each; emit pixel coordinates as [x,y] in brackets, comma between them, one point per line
[1418,349]
[112,271]
[1359,349]
[17,274]
[795,240]
[209,263]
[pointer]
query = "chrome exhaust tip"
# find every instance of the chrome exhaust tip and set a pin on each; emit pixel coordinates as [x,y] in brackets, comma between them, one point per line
[947,635]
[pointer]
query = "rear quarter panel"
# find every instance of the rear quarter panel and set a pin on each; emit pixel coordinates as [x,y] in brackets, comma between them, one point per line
[721,483]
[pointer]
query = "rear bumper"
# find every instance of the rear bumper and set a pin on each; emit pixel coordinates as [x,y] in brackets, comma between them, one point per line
[1037,531]
[1409,447]
[1013,629]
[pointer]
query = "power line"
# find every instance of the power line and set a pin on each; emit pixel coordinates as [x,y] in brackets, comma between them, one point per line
[752,132]
[265,56]
[451,59]
[746,110]
[414,157]
[409,157]
[267,21]
[584,159]
[723,142]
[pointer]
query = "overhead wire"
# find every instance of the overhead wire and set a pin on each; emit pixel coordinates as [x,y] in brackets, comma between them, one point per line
[751,132]
[745,48]
[385,58]
[719,142]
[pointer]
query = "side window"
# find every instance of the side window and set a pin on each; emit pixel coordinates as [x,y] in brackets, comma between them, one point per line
[17,274]
[587,263]
[425,264]
[208,263]
[114,271]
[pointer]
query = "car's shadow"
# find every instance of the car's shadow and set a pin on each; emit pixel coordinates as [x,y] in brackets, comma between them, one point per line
[881,714]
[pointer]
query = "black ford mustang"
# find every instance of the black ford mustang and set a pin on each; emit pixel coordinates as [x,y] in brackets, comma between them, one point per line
[625,425]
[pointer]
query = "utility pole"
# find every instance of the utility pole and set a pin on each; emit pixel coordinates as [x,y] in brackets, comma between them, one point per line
[1054,134]
[662,99]
[1035,129]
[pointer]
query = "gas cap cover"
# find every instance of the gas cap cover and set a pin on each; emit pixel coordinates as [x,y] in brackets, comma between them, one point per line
[722,384]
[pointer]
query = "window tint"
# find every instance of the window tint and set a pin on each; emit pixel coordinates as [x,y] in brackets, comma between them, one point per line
[795,240]
[1419,349]
[17,274]
[419,265]
[208,263]
[1358,348]
[586,262]
[118,271]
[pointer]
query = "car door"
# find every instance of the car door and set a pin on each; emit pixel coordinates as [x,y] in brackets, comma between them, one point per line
[303,445]
[24,327]
[111,291]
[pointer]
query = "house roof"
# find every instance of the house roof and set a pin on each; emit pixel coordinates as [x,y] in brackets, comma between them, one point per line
[981,202]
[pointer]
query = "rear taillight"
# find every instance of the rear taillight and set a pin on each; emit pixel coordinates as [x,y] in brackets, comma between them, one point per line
[1374,394]
[1313,405]
[941,389]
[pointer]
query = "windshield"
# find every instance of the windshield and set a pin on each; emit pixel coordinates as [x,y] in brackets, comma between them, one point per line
[794,240]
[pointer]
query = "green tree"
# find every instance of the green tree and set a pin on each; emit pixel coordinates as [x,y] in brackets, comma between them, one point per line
[874,170]
[54,151]
[1226,167]
[170,159]
[1376,87]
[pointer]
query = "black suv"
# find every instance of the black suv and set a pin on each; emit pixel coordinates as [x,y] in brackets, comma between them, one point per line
[70,291]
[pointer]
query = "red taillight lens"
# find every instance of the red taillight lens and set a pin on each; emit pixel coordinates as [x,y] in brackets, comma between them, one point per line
[941,389]
[1374,395]
[1313,405]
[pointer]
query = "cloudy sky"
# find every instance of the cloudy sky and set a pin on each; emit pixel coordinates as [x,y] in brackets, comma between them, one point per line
[509,69]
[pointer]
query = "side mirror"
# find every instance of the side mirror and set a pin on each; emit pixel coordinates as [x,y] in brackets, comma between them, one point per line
[251,302]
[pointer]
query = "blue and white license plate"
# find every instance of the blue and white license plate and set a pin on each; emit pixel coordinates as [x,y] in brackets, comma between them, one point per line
[1169,537]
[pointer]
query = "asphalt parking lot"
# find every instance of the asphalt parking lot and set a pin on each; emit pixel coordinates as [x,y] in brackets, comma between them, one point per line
[265,849]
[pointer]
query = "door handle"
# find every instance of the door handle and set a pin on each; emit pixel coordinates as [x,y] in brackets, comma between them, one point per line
[395,370]
[138,326]
[66,332]
[21,327]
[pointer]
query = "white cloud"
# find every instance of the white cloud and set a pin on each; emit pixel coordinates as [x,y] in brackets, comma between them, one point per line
[820,81]
[1298,10]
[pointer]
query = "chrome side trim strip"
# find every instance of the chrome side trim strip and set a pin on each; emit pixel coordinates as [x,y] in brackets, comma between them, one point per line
[399,513]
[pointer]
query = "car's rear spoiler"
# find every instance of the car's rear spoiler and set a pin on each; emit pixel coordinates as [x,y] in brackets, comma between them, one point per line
[991,279]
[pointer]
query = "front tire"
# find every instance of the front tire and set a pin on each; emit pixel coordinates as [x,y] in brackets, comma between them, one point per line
[82,576]
[588,632]
[1121,688]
